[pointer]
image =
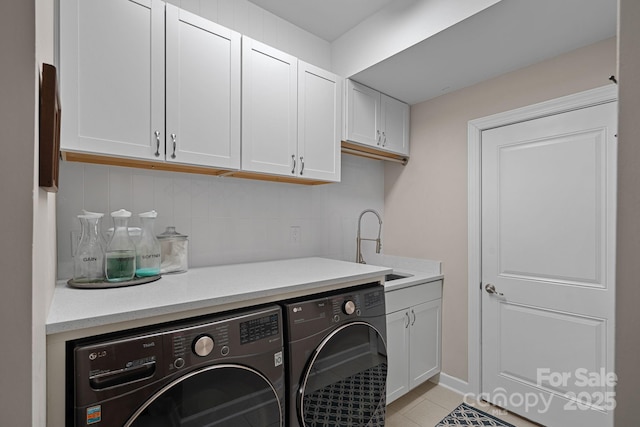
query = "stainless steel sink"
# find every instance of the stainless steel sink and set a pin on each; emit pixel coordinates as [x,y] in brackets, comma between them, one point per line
[395,276]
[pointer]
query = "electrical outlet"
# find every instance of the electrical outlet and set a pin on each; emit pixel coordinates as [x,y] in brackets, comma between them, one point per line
[294,235]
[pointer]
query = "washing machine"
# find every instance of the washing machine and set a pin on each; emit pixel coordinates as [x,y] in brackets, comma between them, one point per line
[337,359]
[217,371]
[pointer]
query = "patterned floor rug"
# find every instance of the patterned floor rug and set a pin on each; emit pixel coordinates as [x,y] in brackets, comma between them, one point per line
[465,415]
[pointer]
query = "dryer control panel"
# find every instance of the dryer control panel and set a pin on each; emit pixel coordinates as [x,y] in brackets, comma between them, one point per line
[324,312]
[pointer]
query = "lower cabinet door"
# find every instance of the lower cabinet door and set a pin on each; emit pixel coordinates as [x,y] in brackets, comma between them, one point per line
[397,354]
[424,351]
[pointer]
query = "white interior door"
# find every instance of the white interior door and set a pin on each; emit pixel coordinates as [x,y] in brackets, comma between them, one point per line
[548,230]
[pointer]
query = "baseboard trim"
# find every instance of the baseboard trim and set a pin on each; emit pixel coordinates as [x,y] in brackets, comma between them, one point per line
[452,383]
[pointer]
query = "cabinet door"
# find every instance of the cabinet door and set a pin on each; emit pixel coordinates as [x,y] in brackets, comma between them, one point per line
[319,121]
[112,76]
[424,341]
[203,91]
[363,114]
[397,354]
[395,125]
[269,109]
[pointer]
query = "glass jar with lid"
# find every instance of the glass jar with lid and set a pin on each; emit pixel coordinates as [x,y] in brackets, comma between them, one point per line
[174,251]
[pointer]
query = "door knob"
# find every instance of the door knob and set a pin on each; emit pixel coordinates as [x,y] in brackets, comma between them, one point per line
[492,290]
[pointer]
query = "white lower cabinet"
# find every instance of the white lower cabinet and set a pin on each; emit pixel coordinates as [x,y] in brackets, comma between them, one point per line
[413,336]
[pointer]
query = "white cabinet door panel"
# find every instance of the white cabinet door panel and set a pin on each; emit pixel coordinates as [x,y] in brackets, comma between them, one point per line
[363,114]
[203,91]
[112,84]
[319,121]
[395,122]
[269,109]
[425,339]
[397,354]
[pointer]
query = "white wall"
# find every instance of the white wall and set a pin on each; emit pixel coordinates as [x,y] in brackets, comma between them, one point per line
[44,231]
[231,220]
[396,27]
[228,220]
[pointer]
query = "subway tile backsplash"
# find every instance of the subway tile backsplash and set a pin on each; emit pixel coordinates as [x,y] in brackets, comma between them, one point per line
[228,220]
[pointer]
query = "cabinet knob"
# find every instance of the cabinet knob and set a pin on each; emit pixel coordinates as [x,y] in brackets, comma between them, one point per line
[406,313]
[413,313]
[293,168]
[173,138]
[378,134]
[384,139]
[301,165]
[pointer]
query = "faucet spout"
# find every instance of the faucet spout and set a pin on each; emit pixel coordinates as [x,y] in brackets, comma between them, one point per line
[359,238]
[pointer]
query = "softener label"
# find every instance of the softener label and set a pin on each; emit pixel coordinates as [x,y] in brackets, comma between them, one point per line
[94,414]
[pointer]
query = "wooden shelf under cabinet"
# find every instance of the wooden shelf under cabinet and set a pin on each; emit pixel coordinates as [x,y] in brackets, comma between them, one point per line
[72,156]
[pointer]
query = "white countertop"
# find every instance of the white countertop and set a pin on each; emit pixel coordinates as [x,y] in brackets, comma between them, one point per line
[208,287]
[418,271]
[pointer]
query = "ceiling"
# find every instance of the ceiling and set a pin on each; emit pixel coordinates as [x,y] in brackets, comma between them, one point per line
[327,19]
[504,37]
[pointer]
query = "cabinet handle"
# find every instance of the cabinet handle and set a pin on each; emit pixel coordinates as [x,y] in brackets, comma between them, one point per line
[157,133]
[378,133]
[301,165]
[406,313]
[414,317]
[293,169]
[384,139]
[173,138]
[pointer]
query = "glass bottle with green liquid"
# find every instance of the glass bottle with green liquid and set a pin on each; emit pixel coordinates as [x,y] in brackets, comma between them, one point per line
[148,257]
[121,252]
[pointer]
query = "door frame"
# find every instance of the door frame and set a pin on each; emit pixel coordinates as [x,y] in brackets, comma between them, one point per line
[475,128]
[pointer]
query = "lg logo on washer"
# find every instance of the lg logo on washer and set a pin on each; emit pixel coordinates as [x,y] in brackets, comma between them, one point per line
[297,309]
[97,354]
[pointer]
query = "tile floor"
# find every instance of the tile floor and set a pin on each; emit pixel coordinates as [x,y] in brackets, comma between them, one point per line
[428,404]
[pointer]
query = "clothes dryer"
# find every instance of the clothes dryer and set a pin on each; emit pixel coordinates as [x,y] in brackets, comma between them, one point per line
[337,359]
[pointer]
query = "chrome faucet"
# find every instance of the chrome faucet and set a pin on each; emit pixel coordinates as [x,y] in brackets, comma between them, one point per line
[359,239]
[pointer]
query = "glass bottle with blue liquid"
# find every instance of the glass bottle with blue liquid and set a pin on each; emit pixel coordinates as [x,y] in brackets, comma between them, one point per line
[148,255]
[121,252]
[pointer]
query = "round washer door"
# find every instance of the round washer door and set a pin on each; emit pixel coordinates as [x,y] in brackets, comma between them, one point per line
[345,381]
[220,396]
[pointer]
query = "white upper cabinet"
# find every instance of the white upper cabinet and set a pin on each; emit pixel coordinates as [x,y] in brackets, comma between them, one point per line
[376,120]
[203,91]
[112,76]
[117,65]
[363,114]
[269,109]
[291,115]
[319,123]
[394,120]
